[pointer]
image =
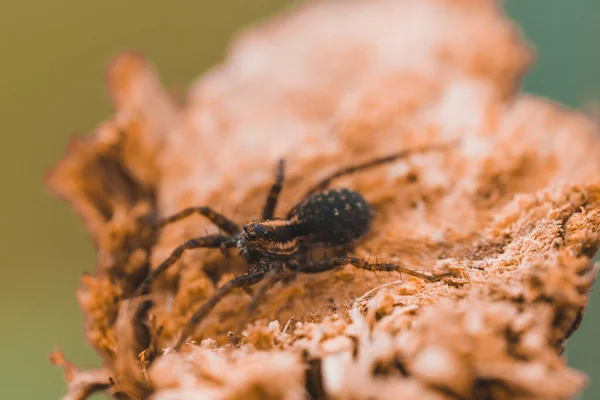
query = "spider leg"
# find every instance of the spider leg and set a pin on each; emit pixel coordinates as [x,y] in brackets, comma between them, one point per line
[314,267]
[274,275]
[219,220]
[271,203]
[206,241]
[324,183]
[241,281]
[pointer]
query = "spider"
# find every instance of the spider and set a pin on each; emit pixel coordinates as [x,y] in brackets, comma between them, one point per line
[328,217]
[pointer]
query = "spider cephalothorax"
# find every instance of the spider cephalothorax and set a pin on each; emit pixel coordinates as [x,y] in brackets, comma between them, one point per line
[329,217]
[273,238]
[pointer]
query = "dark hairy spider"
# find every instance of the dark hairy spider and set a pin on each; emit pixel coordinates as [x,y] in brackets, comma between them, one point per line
[328,217]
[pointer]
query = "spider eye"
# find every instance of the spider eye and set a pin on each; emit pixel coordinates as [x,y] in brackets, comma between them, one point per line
[260,230]
[252,235]
[246,227]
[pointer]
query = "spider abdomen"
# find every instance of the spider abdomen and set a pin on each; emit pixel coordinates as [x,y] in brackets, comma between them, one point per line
[332,217]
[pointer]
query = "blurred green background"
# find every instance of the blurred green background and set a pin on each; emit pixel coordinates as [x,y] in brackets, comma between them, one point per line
[53,56]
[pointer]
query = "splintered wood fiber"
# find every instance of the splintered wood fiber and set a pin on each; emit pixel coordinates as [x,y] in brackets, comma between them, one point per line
[512,209]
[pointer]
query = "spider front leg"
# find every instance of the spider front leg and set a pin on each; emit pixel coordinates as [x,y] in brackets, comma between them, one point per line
[313,267]
[224,223]
[271,203]
[210,241]
[248,279]
[274,275]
